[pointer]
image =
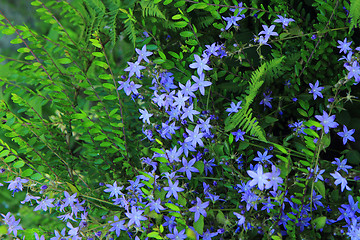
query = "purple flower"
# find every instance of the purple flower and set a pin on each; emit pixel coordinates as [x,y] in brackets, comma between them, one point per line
[156,206]
[200,64]
[135,217]
[285,21]
[238,135]
[344,46]
[134,68]
[268,31]
[44,204]
[145,115]
[241,219]
[200,83]
[341,165]
[117,225]
[177,235]
[327,121]
[316,90]
[233,108]
[354,71]
[195,136]
[188,89]
[16,185]
[267,205]
[267,99]
[114,190]
[346,135]
[232,21]
[189,112]
[274,178]
[340,180]
[260,178]
[263,158]
[13,225]
[199,208]
[173,189]
[143,54]
[188,167]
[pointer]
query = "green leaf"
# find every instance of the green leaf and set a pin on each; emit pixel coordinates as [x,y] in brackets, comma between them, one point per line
[180,24]
[8,31]
[220,217]
[64,60]
[105,77]
[109,86]
[98,54]
[27,172]
[231,138]
[36,176]
[159,151]
[19,164]
[4,153]
[78,115]
[101,64]
[199,165]
[319,222]
[186,34]
[172,207]
[155,235]
[23,50]
[320,187]
[9,158]
[199,225]
[16,41]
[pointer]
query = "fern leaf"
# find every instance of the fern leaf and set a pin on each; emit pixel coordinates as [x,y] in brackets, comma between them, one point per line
[354,13]
[244,118]
[149,8]
[130,31]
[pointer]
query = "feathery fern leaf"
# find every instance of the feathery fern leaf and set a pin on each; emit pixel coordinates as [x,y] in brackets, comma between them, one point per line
[354,13]
[243,118]
[149,8]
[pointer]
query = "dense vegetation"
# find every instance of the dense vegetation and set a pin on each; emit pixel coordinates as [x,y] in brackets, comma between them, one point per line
[180,119]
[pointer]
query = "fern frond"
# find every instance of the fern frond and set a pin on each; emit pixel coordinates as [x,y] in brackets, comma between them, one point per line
[149,8]
[204,22]
[354,13]
[130,31]
[243,117]
[110,21]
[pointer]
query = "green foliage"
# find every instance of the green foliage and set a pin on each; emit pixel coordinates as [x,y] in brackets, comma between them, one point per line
[243,119]
[354,14]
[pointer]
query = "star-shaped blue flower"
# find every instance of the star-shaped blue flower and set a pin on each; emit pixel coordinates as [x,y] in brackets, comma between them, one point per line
[327,121]
[199,208]
[346,135]
[316,90]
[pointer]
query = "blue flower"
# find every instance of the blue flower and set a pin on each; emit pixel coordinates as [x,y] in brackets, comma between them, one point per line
[117,225]
[327,121]
[259,178]
[285,21]
[346,135]
[344,46]
[268,31]
[233,108]
[238,135]
[263,158]
[341,165]
[199,208]
[340,180]
[316,90]
[267,99]
[135,217]
[145,115]
[200,64]
[143,54]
